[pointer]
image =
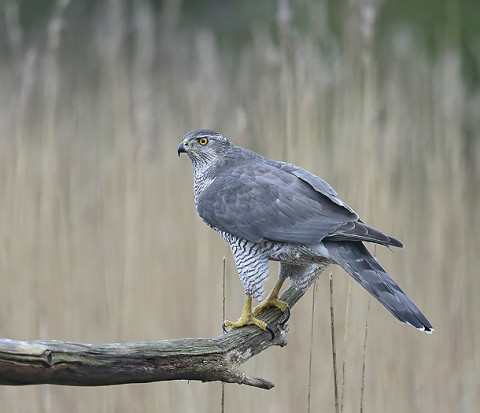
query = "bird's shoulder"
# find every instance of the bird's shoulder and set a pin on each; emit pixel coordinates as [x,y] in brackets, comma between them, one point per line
[242,170]
[237,158]
[243,166]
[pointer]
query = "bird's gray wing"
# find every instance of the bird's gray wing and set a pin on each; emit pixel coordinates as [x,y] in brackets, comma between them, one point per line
[316,182]
[256,201]
[354,230]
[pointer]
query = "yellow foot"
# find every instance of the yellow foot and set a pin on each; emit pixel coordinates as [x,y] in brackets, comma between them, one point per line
[271,302]
[247,318]
[245,321]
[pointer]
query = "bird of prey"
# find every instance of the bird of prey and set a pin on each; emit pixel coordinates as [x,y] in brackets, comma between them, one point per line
[273,210]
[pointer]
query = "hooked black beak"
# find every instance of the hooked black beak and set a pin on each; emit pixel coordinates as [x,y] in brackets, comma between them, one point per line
[181,148]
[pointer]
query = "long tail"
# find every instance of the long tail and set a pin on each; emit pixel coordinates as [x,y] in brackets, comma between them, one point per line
[359,263]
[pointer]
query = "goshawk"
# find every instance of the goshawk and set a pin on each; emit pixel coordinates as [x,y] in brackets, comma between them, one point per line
[273,210]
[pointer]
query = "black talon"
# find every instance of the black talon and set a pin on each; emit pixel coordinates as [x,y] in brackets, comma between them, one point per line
[270,330]
[287,316]
[224,328]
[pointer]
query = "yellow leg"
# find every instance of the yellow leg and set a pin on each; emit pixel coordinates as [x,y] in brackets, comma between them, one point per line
[247,318]
[272,300]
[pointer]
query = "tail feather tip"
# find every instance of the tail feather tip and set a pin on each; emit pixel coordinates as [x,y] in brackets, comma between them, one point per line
[425,329]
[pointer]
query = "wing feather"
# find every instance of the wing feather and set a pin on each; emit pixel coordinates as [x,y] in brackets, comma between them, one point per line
[258,199]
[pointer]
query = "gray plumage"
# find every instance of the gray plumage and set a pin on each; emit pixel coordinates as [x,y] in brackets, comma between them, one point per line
[272,210]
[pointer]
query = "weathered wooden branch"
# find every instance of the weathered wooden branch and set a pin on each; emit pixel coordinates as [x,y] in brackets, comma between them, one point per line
[204,359]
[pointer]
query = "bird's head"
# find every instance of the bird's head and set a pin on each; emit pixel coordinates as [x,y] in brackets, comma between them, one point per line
[203,146]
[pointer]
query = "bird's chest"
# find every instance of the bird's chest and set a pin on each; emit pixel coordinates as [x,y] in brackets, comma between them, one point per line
[295,254]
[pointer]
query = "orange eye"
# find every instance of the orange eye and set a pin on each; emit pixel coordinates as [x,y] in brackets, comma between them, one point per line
[203,141]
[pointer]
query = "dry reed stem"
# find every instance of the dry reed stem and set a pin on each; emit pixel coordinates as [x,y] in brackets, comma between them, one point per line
[362,387]
[364,351]
[334,351]
[224,271]
[312,326]
[347,310]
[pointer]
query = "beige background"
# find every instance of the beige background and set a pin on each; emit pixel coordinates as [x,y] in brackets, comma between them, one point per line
[100,241]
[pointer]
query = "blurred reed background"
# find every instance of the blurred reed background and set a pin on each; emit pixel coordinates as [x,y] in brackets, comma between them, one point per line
[99,238]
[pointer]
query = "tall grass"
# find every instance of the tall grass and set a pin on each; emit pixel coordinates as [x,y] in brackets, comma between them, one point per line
[100,242]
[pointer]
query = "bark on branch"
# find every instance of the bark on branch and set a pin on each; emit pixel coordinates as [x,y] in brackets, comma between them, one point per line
[204,359]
